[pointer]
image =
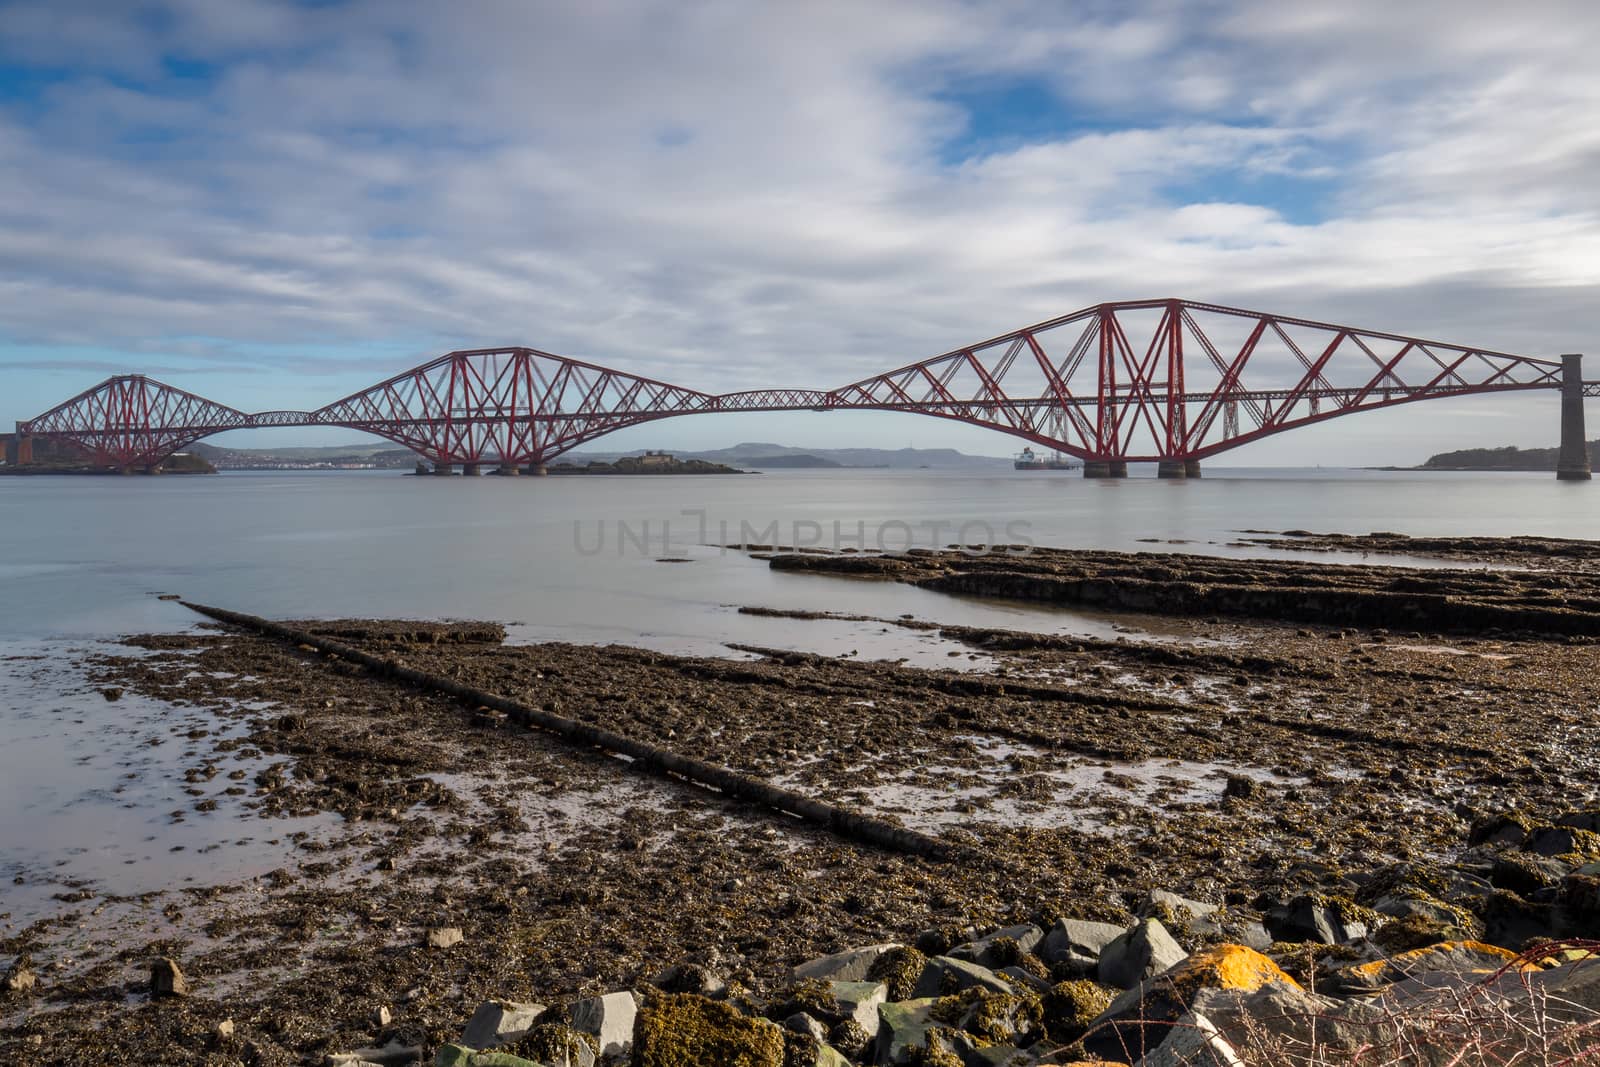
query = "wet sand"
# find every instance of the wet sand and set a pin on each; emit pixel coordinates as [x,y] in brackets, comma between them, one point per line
[1238,758]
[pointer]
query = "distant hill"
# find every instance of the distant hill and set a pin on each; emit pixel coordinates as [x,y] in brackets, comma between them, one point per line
[771,456]
[756,454]
[1506,458]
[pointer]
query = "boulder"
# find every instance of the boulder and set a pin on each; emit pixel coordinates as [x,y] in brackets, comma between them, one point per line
[1142,951]
[1075,940]
[943,976]
[1001,948]
[1325,920]
[675,1029]
[850,965]
[1023,978]
[167,980]
[500,1022]
[903,1026]
[1284,1015]
[1141,1018]
[1563,840]
[1455,959]
[1194,1042]
[801,1023]
[609,1018]
[1159,900]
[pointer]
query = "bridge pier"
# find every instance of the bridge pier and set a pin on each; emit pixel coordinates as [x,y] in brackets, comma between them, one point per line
[1191,468]
[506,470]
[471,470]
[24,447]
[442,469]
[1172,468]
[537,470]
[1572,462]
[1105,468]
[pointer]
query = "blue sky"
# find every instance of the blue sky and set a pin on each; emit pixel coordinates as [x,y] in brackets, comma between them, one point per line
[275,203]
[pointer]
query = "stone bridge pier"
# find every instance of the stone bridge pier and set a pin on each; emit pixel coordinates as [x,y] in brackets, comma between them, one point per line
[1572,462]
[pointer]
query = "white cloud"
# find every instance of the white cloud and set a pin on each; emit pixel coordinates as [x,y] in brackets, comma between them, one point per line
[736,195]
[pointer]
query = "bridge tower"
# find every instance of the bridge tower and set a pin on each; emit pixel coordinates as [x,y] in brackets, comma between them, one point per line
[1572,463]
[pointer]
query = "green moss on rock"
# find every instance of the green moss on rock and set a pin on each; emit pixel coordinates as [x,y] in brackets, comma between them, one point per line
[677,1029]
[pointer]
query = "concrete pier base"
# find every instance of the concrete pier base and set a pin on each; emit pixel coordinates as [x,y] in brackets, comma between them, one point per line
[1191,468]
[1105,468]
[443,470]
[471,470]
[508,472]
[536,470]
[1572,462]
[1172,468]
[24,448]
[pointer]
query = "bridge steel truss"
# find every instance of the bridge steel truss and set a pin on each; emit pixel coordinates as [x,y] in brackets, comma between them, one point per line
[1165,380]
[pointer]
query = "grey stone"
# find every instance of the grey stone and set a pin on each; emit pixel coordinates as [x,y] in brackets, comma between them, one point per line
[943,975]
[1194,1042]
[500,1022]
[1143,951]
[850,965]
[1026,979]
[1305,919]
[991,952]
[801,1023]
[1552,841]
[1069,937]
[858,1001]
[1290,1014]
[609,1019]
[1194,909]
[167,980]
[902,1026]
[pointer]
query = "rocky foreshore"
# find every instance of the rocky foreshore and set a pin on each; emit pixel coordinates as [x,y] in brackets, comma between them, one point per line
[1380,822]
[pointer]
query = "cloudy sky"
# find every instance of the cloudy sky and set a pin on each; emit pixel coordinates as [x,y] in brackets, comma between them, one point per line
[276,203]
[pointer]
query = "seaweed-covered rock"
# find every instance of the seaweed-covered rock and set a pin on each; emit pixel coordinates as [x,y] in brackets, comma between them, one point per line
[462,1056]
[943,976]
[999,1017]
[1003,948]
[1068,1009]
[674,1029]
[898,969]
[851,965]
[559,1045]
[1314,917]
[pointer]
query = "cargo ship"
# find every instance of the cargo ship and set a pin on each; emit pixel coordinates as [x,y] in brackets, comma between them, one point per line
[1027,460]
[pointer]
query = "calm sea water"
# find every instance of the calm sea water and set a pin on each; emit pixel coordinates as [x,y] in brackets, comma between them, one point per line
[86,785]
[576,558]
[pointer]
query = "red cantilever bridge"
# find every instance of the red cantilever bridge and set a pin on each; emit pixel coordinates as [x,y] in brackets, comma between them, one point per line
[1171,381]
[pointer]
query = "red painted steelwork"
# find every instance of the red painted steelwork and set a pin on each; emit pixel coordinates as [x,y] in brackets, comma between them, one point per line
[1139,380]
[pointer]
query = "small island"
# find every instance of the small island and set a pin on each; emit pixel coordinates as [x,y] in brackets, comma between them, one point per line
[649,463]
[1505,458]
